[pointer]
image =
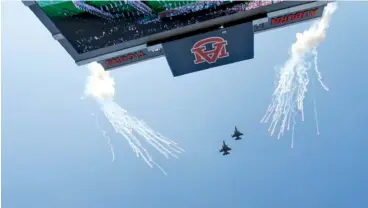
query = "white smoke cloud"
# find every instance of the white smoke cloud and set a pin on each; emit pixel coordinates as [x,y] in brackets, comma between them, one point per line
[99,84]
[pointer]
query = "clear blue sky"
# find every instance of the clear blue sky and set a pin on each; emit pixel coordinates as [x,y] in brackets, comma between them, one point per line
[54,157]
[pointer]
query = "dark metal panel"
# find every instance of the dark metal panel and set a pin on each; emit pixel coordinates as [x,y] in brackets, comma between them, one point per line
[211,49]
[28,3]
[47,22]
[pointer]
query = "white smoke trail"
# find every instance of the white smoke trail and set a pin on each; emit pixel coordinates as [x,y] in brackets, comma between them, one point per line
[288,97]
[101,87]
[319,78]
[104,134]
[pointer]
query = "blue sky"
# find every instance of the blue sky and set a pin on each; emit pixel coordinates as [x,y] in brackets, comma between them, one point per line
[54,156]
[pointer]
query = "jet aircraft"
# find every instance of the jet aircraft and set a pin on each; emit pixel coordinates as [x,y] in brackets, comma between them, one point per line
[225,149]
[237,134]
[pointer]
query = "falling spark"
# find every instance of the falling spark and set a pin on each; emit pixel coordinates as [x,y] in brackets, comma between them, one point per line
[288,97]
[319,77]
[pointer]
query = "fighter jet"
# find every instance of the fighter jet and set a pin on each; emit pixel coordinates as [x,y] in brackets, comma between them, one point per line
[225,149]
[237,134]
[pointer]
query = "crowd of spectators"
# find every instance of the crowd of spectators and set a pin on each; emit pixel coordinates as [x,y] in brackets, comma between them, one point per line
[103,33]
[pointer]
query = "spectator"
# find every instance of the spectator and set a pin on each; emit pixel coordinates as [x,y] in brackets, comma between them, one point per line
[89,38]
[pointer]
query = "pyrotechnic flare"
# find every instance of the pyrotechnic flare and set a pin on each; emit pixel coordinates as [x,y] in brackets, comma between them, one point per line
[101,87]
[288,97]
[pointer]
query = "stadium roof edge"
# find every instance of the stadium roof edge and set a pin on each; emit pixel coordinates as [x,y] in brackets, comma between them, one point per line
[28,3]
[111,51]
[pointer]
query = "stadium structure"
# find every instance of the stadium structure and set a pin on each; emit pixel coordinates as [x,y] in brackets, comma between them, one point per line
[192,35]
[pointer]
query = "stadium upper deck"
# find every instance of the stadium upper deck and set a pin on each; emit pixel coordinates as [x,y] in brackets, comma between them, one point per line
[101,30]
[63,8]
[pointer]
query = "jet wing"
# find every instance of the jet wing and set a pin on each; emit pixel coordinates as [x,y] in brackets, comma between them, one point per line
[225,149]
[237,134]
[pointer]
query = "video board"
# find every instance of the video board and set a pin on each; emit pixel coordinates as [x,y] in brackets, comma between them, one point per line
[131,58]
[290,16]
